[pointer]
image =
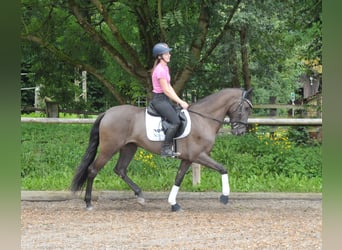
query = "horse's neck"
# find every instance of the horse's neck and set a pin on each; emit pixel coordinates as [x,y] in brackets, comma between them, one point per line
[216,105]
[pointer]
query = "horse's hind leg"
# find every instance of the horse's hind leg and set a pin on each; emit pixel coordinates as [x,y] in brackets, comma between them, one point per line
[126,155]
[93,170]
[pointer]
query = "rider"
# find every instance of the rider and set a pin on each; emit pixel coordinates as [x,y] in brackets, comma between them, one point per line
[163,94]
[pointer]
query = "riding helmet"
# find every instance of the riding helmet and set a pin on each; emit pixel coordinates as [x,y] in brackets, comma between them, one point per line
[160,48]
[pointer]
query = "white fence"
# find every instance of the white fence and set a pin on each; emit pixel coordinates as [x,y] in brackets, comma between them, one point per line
[259,121]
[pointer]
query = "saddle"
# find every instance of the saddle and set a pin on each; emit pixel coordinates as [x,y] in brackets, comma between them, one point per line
[156,125]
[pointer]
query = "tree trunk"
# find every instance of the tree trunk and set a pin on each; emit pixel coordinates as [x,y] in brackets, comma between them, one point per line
[244,58]
[51,109]
[232,61]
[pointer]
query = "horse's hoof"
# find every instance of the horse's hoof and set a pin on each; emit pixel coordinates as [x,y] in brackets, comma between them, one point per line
[89,208]
[176,208]
[224,199]
[141,200]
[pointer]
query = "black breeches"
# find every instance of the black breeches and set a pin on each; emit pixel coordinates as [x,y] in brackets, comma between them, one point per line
[165,108]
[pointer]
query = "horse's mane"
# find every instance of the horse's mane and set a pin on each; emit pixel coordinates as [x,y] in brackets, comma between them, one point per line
[212,97]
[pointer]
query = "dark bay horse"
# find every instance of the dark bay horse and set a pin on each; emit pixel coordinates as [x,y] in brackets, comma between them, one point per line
[122,129]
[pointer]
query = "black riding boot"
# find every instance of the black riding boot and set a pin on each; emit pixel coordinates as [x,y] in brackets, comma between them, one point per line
[167,145]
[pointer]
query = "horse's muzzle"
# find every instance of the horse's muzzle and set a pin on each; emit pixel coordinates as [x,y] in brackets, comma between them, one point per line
[238,129]
[238,132]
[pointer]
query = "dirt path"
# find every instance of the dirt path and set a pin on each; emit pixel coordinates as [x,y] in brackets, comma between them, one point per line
[118,222]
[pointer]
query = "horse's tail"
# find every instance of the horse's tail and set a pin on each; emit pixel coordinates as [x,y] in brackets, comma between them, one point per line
[81,173]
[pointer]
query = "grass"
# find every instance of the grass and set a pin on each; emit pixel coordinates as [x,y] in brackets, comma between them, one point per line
[256,162]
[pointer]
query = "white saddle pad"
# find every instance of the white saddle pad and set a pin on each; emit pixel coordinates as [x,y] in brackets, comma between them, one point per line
[154,129]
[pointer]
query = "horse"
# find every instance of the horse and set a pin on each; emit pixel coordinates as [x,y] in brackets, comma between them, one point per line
[121,129]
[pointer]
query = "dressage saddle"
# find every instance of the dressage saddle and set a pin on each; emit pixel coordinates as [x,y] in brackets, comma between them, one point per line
[166,124]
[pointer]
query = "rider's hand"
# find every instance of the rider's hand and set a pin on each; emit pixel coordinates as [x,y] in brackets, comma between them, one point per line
[184,105]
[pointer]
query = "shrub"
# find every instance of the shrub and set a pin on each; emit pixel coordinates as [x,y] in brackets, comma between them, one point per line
[257,161]
[263,155]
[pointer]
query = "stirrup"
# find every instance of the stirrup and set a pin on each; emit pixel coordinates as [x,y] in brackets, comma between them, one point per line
[169,153]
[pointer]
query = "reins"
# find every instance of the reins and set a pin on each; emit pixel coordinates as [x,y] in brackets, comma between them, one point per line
[208,117]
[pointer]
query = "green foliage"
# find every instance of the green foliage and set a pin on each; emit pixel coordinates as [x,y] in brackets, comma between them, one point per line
[299,135]
[56,148]
[264,154]
[280,35]
[256,162]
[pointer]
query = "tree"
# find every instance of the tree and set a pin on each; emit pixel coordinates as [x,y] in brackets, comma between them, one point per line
[215,43]
[126,31]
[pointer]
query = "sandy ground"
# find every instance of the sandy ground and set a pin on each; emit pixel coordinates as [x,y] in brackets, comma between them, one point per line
[249,221]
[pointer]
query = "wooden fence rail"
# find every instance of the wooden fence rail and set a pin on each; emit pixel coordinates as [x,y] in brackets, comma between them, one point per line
[260,121]
[59,120]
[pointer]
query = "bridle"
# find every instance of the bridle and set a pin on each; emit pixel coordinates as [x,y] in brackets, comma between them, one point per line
[238,109]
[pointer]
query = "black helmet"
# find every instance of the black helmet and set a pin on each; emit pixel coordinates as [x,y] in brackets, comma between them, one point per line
[160,48]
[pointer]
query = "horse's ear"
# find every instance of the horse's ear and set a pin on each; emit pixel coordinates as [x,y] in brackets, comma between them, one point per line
[247,93]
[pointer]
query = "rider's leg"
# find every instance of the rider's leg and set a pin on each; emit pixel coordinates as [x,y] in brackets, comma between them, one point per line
[167,144]
[165,108]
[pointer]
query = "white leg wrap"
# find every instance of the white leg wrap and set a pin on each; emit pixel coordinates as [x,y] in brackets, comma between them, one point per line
[225,185]
[173,194]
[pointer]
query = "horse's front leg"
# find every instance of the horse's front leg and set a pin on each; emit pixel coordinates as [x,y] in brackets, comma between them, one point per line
[207,161]
[183,168]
